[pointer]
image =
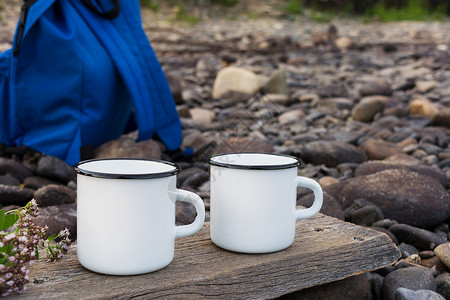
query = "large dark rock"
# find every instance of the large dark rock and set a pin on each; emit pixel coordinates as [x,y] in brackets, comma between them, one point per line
[36,182]
[54,195]
[330,206]
[331,153]
[15,168]
[354,287]
[404,196]
[371,167]
[59,217]
[418,237]
[186,173]
[10,194]
[407,294]
[54,168]
[413,278]
[443,285]
[8,179]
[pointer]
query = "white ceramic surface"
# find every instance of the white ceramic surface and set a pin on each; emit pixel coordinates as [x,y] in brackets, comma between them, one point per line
[126,215]
[253,201]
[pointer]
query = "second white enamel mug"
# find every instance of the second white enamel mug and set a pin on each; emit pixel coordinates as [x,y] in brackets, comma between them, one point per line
[253,201]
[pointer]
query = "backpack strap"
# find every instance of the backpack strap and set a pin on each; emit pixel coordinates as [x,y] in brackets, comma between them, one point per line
[110,14]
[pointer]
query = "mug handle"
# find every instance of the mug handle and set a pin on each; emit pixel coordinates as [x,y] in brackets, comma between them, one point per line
[318,197]
[189,197]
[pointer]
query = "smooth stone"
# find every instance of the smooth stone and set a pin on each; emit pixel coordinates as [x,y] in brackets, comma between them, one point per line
[36,182]
[393,190]
[202,115]
[127,147]
[331,153]
[414,278]
[384,223]
[433,263]
[420,238]
[185,213]
[238,144]
[330,206]
[444,163]
[371,167]
[274,99]
[235,79]
[176,88]
[376,87]
[387,232]
[14,168]
[362,203]
[367,108]
[442,118]
[407,250]
[49,195]
[55,168]
[8,179]
[193,138]
[277,83]
[426,254]
[425,85]
[443,285]
[186,173]
[402,159]
[333,90]
[377,149]
[443,253]
[423,107]
[10,194]
[375,288]
[354,287]
[57,218]
[206,67]
[290,117]
[196,180]
[327,180]
[364,216]
[344,43]
[407,294]
[334,103]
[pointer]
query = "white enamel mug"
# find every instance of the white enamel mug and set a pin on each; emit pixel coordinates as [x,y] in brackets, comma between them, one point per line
[253,201]
[126,215]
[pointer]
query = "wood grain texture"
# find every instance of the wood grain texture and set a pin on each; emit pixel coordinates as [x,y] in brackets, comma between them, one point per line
[325,250]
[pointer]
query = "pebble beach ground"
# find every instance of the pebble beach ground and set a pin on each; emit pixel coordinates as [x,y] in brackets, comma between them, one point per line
[365,106]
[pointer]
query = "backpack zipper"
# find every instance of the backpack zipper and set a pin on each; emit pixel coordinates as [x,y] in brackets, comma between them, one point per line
[21,27]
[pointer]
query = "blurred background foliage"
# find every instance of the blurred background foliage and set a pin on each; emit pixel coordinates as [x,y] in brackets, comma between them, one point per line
[323,10]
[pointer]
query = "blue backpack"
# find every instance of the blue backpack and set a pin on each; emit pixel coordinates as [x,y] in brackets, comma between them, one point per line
[78,71]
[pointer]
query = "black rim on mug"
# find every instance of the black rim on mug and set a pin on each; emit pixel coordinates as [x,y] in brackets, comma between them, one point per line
[214,162]
[144,175]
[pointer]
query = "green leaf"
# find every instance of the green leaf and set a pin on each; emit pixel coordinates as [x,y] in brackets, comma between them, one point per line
[10,220]
[37,252]
[52,237]
[7,263]
[2,219]
[6,249]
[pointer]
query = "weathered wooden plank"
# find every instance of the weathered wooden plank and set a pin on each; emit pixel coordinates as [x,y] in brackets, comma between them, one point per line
[325,250]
